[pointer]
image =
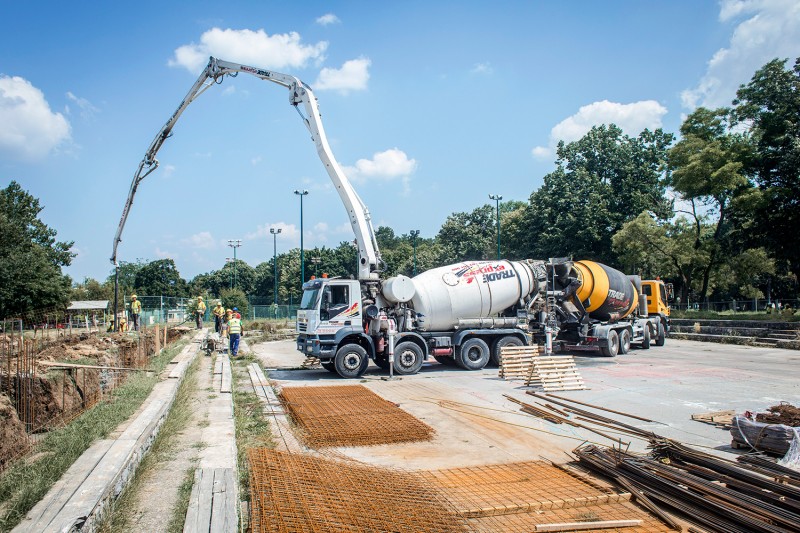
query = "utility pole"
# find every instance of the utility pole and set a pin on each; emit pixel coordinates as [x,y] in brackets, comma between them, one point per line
[275,261]
[414,234]
[316,261]
[234,243]
[302,258]
[497,198]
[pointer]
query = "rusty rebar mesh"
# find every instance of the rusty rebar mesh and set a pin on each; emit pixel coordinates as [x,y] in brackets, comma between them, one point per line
[297,492]
[350,415]
[513,488]
[526,522]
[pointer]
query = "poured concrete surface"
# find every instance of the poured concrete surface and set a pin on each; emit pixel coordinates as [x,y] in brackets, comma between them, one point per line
[475,424]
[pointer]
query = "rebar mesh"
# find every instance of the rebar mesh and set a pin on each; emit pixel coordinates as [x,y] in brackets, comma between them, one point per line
[296,492]
[350,415]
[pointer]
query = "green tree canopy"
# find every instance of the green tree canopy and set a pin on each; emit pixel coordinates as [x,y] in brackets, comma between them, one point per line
[30,257]
[161,278]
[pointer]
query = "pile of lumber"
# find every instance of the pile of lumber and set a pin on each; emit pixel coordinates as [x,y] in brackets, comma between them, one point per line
[310,362]
[721,419]
[551,373]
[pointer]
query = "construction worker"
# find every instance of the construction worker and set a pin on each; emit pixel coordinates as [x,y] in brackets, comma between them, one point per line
[136,310]
[234,332]
[228,316]
[219,315]
[200,312]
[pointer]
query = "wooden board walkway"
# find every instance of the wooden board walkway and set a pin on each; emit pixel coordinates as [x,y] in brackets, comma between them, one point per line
[213,502]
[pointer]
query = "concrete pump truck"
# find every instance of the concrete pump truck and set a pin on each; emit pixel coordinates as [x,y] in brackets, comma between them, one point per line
[462,314]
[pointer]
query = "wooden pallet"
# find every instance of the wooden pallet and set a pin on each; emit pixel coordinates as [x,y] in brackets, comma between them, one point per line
[310,362]
[551,373]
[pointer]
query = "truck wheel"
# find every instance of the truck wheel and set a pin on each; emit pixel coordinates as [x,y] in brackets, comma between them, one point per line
[473,354]
[624,341]
[382,361]
[661,338]
[330,366]
[351,361]
[408,358]
[499,344]
[612,345]
[646,338]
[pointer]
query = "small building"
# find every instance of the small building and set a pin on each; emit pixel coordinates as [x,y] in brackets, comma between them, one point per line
[88,313]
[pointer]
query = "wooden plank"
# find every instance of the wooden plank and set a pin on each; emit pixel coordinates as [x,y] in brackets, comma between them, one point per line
[206,496]
[223,514]
[226,381]
[56,365]
[178,370]
[583,526]
[218,366]
[257,386]
[191,524]
[217,500]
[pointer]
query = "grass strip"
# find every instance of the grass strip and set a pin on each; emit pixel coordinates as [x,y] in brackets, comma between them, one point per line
[27,481]
[162,450]
[250,420]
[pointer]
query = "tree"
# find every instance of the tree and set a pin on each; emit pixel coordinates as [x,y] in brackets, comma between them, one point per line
[601,181]
[91,289]
[708,166]
[30,257]
[161,278]
[468,236]
[770,105]
[235,298]
[127,275]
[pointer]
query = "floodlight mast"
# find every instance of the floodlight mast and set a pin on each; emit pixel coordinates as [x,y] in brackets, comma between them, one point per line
[370,261]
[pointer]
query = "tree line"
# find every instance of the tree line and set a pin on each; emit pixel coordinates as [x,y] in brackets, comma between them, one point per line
[714,210]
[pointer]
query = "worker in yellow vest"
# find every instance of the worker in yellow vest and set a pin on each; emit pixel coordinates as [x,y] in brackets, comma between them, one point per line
[219,315]
[235,333]
[136,310]
[200,312]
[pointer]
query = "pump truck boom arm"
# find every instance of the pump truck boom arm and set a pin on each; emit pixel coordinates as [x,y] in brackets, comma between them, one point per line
[299,94]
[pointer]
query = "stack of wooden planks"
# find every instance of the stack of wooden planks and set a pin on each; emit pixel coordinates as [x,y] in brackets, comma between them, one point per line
[551,373]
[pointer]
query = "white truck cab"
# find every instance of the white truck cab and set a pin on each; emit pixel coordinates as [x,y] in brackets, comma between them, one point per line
[329,311]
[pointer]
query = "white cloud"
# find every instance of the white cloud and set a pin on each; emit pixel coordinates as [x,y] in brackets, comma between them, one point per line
[384,166]
[164,254]
[30,129]
[482,68]
[631,118]
[321,227]
[256,48]
[353,76]
[256,160]
[288,232]
[87,109]
[772,30]
[328,18]
[203,240]
[169,170]
[343,228]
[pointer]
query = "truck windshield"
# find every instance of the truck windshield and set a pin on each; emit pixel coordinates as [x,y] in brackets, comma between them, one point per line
[310,299]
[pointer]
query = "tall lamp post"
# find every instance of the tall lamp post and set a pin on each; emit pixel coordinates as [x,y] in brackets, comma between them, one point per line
[234,243]
[302,257]
[316,261]
[414,234]
[497,198]
[275,260]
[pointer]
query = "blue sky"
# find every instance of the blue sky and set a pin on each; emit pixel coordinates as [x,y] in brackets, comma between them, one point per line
[429,106]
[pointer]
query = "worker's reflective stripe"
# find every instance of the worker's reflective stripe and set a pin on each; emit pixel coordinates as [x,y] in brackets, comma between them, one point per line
[235,325]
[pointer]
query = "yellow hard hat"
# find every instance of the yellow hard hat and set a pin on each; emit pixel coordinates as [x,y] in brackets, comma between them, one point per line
[133,296]
[228,311]
[199,297]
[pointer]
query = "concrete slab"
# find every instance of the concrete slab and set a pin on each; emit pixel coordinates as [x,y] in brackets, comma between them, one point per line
[475,424]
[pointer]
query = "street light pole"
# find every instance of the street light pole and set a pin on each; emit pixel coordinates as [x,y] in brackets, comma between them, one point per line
[302,258]
[234,243]
[316,261]
[497,198]
[275,260]
[414,235]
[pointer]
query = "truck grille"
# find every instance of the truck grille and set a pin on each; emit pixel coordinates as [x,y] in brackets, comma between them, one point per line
[302,327]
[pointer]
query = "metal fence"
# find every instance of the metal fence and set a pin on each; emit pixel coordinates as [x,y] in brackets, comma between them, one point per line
[783,306]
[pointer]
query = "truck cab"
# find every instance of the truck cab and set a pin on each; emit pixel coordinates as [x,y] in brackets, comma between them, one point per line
[658,296]
[330,311]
